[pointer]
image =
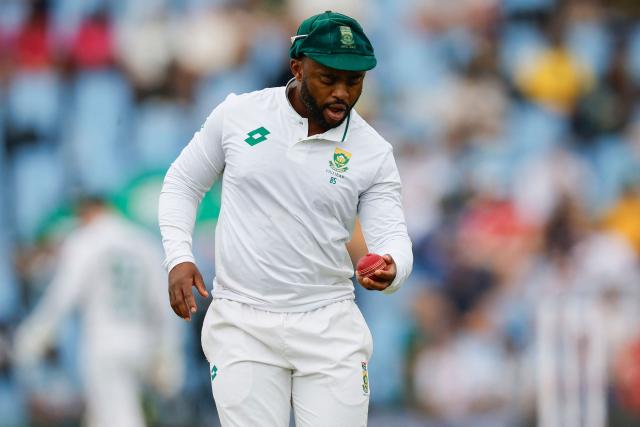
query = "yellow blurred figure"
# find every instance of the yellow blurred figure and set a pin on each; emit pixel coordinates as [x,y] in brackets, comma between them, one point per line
[554,79]
[624,218]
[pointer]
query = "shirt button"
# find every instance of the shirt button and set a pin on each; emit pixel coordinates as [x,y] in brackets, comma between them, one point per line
[300,123]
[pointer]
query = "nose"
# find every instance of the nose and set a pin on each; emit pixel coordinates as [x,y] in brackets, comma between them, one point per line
[340,92]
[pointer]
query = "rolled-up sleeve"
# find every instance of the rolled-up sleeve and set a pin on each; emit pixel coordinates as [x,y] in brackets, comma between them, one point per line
[197,168]
[382,219]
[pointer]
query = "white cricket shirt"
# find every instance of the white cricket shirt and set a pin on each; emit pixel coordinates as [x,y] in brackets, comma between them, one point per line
[289,203]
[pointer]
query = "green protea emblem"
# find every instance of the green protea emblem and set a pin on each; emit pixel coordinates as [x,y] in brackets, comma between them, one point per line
[346,37]
[365,378]
[340,160]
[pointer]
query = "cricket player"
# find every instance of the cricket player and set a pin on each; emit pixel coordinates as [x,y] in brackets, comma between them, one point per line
[110,271]
[297,164]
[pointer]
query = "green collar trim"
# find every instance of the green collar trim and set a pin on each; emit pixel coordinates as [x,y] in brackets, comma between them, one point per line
[346,127]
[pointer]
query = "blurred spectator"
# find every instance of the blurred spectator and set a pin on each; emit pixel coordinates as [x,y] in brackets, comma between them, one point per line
[624,217]
[428,176]
[34,93]
[476,104]
[628,7]
[212,41]
[92,47]
[491,233]
[627,376]
[33,48]
[542,182]
[607,107]
[554,77]
[144,50]
[111,272]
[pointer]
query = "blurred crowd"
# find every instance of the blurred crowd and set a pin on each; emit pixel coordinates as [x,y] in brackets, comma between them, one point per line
[516,129]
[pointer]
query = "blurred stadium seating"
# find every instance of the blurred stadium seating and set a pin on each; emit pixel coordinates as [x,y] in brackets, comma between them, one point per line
[516,127]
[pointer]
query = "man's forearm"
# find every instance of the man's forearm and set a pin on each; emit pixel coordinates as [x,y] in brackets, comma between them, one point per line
[177,210]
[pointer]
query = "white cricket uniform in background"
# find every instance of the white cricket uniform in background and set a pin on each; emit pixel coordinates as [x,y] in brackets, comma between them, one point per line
[111,272]
[283,325]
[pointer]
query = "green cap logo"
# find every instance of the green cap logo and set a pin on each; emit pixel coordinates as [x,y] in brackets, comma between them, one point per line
[346,37]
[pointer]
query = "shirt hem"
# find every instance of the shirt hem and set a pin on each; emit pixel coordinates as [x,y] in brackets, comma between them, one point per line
[299,308]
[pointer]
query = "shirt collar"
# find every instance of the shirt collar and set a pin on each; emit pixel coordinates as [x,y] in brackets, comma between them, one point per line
[336,134]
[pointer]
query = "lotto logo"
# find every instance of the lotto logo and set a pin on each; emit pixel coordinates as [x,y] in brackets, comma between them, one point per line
[256,136]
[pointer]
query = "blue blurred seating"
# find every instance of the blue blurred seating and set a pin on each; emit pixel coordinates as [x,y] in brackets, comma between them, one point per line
[214,89]
[34,103]
[532,129]
[10,305]
[9,295]
[592,45]
[518,44]
[38,187]
[633,58]
[414,61]
[98,133]
[67,15]
[160,130]
[13,405]
[525,6]
[612,163]
[12,15]
[268,53]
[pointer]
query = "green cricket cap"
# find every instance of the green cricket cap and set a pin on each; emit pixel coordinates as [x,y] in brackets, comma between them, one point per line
[335,41]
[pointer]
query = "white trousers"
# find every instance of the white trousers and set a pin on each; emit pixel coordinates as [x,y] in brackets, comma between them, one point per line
[262,363]
[113,393]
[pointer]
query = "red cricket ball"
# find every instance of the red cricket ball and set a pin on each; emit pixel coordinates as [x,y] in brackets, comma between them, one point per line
[369,263]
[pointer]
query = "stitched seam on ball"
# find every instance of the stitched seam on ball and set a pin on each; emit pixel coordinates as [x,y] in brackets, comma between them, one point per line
[371,268]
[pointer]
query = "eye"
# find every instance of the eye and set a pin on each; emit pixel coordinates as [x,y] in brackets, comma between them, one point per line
[354,81]
[327,80]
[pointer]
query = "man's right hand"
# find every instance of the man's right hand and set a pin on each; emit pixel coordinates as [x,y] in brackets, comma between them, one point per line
[181,278]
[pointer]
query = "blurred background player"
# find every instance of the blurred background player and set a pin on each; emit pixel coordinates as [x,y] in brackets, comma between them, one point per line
[109,271]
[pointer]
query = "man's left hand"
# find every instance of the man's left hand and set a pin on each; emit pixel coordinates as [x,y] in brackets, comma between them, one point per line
[380,279]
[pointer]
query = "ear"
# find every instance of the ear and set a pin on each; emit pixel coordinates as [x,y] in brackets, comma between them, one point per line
[296,68]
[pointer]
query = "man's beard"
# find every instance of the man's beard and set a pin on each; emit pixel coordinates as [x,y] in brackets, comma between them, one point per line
[315,111]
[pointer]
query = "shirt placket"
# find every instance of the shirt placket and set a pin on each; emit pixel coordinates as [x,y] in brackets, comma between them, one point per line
[297,150]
